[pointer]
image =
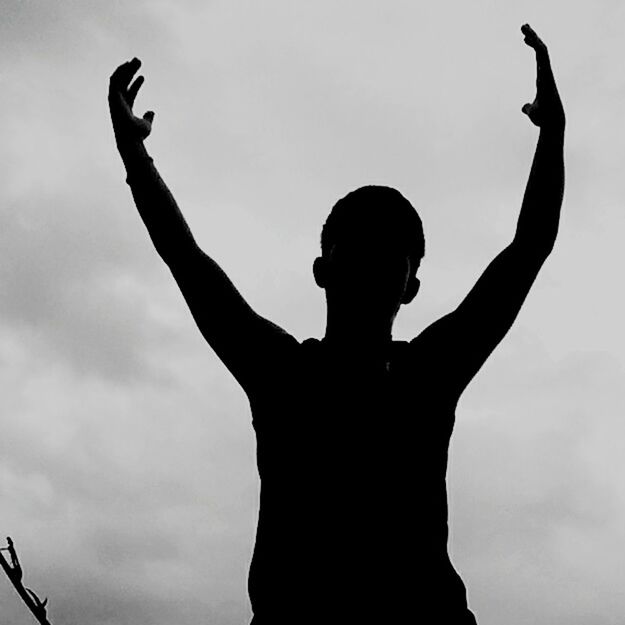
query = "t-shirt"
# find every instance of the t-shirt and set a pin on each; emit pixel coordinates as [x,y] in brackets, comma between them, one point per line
[352,458]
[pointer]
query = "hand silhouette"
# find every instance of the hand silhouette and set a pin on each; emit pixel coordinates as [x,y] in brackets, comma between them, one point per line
[121,97]
[546,110]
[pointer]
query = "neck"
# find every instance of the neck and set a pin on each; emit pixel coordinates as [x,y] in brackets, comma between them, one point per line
[357,334]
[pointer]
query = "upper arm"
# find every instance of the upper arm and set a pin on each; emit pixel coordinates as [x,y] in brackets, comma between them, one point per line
[245,342]
[461,341]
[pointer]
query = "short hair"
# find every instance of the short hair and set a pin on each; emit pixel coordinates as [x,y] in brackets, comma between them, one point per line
[380,209]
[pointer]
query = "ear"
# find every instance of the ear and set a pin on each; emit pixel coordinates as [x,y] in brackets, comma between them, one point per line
[320,271]
[412,287]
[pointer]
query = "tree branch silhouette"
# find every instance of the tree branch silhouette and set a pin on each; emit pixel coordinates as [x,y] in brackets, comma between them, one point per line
[14,573]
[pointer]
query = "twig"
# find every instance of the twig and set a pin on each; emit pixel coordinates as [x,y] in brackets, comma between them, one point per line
[14,573]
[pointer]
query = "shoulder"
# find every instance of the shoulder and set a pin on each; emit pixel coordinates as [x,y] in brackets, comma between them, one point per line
[283,360]
[284,377]
[310,343]
[429,363]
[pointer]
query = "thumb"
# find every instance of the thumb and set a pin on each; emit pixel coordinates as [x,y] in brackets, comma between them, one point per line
[532,111]
[149,116]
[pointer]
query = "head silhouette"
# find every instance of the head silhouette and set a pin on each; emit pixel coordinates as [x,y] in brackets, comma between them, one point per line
[371,246]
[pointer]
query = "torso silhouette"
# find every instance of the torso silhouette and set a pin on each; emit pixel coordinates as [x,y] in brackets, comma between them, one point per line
[352,451]
[352,457]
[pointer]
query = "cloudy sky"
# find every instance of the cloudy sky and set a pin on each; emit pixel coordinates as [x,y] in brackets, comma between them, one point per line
[127,468]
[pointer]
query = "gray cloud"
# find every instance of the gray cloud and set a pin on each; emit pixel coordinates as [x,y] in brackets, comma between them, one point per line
[70,283]
[529,498]
[67,31]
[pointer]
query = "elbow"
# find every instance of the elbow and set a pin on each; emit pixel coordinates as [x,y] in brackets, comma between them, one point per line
[537,243]
[175,255]
[534,249]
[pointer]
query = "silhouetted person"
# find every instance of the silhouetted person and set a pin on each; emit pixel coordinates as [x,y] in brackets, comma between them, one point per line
[353,430]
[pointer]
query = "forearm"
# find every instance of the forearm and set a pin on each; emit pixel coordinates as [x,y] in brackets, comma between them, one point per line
[166,225]
[537,226]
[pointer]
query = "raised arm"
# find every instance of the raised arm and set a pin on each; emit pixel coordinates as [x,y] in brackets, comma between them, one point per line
[158,209]
[243,340]
[463,339]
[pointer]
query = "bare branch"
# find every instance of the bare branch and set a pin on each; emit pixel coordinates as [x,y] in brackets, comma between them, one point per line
[14,573]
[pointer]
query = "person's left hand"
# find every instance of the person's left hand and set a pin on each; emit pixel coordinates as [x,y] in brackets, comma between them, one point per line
[546,111]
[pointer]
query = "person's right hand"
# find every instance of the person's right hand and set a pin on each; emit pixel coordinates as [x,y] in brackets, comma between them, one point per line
[122,95]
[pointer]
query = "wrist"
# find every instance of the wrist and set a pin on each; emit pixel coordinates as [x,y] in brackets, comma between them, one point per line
[135,158]
[132,151]
[553,130]
[129,145]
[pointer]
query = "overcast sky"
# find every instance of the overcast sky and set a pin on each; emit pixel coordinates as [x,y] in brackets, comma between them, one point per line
[127,466]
